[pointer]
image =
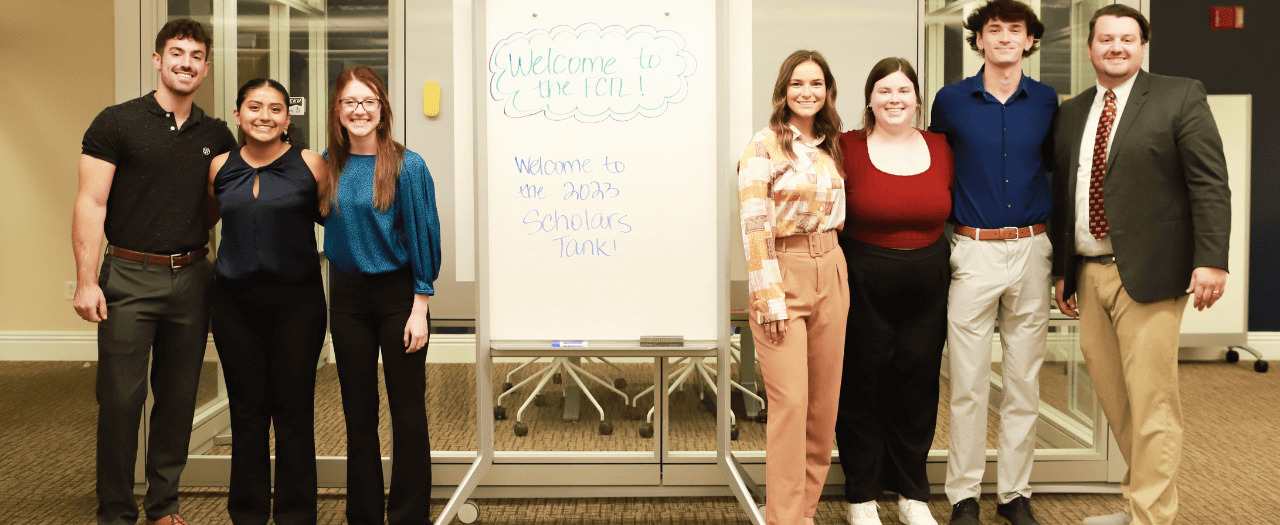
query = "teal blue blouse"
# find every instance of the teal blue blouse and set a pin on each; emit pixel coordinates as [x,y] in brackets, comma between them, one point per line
[360,239]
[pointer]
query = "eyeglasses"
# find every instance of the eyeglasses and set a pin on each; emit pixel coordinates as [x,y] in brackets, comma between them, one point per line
[350,104]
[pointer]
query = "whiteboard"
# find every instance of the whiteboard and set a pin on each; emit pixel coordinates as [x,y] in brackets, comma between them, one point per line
[1227,322]
[600,166]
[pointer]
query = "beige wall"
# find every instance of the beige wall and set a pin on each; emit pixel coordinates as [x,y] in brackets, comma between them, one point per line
[56,74]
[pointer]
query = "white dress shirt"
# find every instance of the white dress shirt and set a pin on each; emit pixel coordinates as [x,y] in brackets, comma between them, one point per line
[1085,243]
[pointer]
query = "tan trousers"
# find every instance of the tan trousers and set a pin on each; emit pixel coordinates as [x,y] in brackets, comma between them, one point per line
[1131,349]
[802,380]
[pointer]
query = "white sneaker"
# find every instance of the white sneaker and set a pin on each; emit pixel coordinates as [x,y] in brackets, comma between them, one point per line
[865,513]
[914,512]
[1118,518]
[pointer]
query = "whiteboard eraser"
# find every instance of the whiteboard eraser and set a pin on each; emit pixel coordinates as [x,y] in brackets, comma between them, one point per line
[661,340]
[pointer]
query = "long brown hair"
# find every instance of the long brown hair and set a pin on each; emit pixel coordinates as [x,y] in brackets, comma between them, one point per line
[826,123]
[389,155]
[883,69]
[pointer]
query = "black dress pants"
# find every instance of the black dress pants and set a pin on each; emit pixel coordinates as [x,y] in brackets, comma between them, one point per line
[269,337]
[893,354]
[369,312]
[159,314]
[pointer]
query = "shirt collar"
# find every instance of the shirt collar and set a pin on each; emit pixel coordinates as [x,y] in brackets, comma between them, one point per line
[154,107]
[977,87]
[804,140]
[1122,91]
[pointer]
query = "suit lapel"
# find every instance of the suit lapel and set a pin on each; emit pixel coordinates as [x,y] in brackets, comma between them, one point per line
[1075,133]
[1137,98]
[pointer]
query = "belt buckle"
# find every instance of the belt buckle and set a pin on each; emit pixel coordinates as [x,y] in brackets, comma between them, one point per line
[815,244]
[1017,232]
[173,261]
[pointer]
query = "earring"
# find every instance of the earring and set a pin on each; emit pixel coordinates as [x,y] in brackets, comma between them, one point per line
[379,126]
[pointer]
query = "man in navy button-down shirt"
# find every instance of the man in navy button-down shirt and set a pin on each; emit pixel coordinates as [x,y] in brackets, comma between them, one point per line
[998,123]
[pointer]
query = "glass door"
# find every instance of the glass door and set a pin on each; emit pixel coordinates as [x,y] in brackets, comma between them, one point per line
[1071,424]
[302,44]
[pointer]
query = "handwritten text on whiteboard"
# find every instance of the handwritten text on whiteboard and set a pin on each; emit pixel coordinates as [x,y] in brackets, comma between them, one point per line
[590,73]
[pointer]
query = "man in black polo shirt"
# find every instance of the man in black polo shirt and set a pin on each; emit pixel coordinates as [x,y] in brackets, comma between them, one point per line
[144,171]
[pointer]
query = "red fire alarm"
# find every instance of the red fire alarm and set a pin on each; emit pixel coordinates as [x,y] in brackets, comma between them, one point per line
[1226,17]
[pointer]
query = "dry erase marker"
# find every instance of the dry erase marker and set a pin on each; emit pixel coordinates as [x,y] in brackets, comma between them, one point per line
[569,344]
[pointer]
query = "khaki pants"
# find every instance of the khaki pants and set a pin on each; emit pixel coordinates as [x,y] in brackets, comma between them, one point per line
[802,379]
[1004,281]
[1131,349]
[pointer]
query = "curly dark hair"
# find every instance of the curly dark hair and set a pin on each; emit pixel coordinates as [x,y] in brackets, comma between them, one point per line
[185,29]
[1004,11]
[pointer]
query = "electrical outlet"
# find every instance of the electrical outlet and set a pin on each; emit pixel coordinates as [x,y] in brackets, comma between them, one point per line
[71,290]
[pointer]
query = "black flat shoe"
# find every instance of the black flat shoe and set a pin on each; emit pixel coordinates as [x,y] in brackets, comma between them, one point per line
[1017,511]
[965,512]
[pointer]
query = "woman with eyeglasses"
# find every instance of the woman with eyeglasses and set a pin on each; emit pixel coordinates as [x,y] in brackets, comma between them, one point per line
[268,308]
[382,236]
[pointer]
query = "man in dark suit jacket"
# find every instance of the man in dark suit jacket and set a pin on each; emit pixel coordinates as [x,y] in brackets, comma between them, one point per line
[1141,209]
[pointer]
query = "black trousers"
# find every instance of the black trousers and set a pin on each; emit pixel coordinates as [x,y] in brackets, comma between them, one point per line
[893,353]
[369,312]
[269,337]
[160,314]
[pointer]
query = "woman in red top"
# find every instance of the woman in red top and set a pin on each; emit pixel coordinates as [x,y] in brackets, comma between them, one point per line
[898,189]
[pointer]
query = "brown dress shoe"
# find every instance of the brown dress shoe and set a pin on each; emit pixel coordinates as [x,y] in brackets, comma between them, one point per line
[172,519]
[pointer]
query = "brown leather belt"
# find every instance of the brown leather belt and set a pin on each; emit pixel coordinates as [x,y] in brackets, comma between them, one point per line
[814,243]
[172,261]
[1000,234]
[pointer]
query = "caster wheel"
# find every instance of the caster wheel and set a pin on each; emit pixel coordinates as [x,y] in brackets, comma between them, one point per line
[505,388]
[733,433]
[1233,356]
[1260,366]
[606,427]
[522,429]
[499,413]
[539,400]
[557,378]
[709,405]
[762,417]
[646,430]
[620,383]
[469,512]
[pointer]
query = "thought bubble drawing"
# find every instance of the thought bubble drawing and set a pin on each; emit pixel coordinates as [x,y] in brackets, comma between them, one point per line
[590,73]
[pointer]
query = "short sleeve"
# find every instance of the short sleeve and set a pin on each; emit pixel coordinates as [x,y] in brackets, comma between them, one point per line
[228,140]
[102,139]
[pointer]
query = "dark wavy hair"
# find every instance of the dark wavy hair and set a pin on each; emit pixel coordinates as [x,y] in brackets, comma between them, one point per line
[389,154]
[185,29]
[1121,11]
[826,123]
[883,69]
[256,83]
[1004,11]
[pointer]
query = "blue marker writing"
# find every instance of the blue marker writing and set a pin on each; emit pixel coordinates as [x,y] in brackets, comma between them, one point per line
[569,344]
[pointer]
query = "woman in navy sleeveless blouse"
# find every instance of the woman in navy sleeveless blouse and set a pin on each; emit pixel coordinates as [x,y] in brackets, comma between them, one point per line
[268,307]
[382,238]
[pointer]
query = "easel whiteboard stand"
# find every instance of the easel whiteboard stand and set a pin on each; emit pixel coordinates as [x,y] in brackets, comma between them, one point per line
[1227,322]
[487,347]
